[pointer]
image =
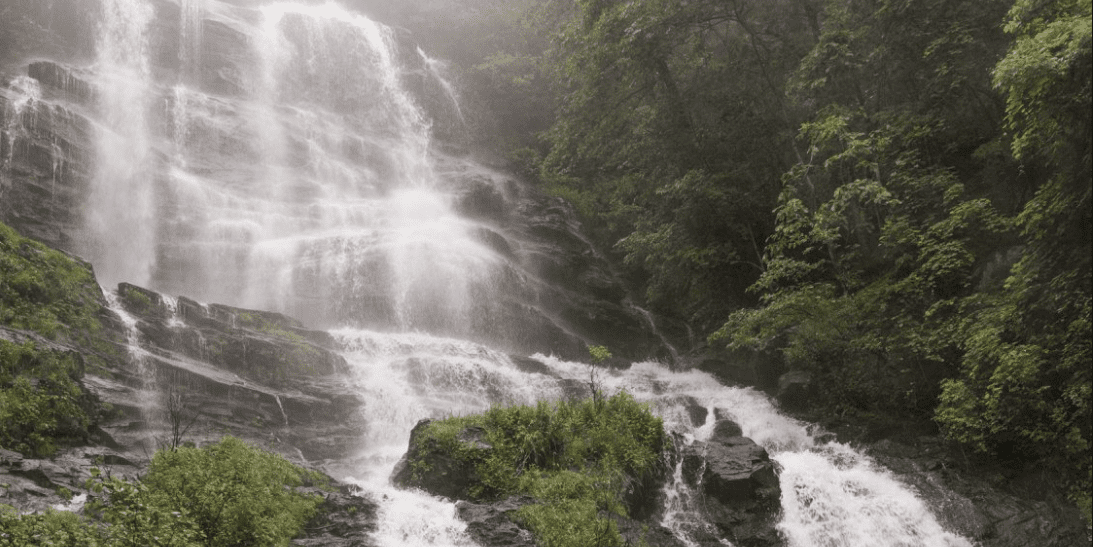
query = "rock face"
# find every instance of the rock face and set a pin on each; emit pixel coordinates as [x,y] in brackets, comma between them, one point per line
[493,525]
[990,514]
[739,484]
[257,374]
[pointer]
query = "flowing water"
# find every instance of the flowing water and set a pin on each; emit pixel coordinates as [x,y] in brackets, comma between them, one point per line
[301,177]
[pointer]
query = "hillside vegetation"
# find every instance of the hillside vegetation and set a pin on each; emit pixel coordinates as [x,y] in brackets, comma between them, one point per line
[892,195]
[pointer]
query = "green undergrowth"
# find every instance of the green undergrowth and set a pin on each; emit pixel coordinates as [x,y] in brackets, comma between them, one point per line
[41,401]
[225,495]
[47,291]
[575,458]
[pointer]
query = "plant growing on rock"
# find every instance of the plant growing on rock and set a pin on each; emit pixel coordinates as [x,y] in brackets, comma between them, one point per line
[40,399]
[577,459]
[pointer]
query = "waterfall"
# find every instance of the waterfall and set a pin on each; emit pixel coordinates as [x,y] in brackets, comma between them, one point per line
[299,175]
[147,393]
[121,200]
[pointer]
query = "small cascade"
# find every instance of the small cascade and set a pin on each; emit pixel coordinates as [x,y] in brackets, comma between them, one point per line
[831,494]
[27,92]
[404,378]
[147,396]
[191,36]
[681,503]
[651,323]
[436,68]
[121,199]
[284,416]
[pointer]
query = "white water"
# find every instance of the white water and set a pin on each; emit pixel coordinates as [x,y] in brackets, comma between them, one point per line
[119,214]
[27,91]
[832,495]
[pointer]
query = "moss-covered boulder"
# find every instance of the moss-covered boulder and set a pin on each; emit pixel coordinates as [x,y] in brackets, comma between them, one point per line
[578,466]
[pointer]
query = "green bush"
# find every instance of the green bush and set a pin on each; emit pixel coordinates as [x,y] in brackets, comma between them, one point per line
[40,399]
[235,493]
[575,458]
[225,495]
[52,528]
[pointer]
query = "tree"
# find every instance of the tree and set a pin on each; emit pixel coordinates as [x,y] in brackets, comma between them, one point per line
[1025,384]
[671,134]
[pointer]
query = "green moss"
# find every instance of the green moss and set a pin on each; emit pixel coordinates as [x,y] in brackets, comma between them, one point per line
[136,300]
[575,458]
[46,291]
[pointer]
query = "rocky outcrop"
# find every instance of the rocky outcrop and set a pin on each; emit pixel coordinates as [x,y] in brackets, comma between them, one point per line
[45,155]
[738,483]
[1009,508]
[346,518]
[562,293]
[494,524]
[440,472]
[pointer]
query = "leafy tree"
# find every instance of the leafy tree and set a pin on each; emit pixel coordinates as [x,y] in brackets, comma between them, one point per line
[1024,388]
[878,241]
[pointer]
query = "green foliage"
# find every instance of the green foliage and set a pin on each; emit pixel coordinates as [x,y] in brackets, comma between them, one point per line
[138,516]
[136,300]
[52,528]
[45,291]
[672,153]
[599,354]
[234,493]
[227,494]
[887,271]
[573,457]
[41,401]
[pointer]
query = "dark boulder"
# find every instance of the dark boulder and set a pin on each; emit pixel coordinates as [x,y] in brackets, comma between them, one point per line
[636,532]
[346,518]
[796,390]
[494,525]
[436,471]
[739,485]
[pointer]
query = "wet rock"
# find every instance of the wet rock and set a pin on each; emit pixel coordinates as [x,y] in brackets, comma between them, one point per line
[438,472]
[635,532]
[63,80]
[760,369]
[1024,509]
[493,524]
[738,482]
[346,518]
[796,390]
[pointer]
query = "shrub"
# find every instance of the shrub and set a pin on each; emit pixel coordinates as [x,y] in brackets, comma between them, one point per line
[40,399]
[235,493]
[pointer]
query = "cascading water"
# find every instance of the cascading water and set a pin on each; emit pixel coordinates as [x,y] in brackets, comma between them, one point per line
[304,181]
[120,210]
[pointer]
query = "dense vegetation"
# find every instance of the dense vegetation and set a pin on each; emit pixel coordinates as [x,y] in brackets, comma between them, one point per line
[47,291]
[41,401]
[577,459]
[224,495]
[894,195]
[50,294]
